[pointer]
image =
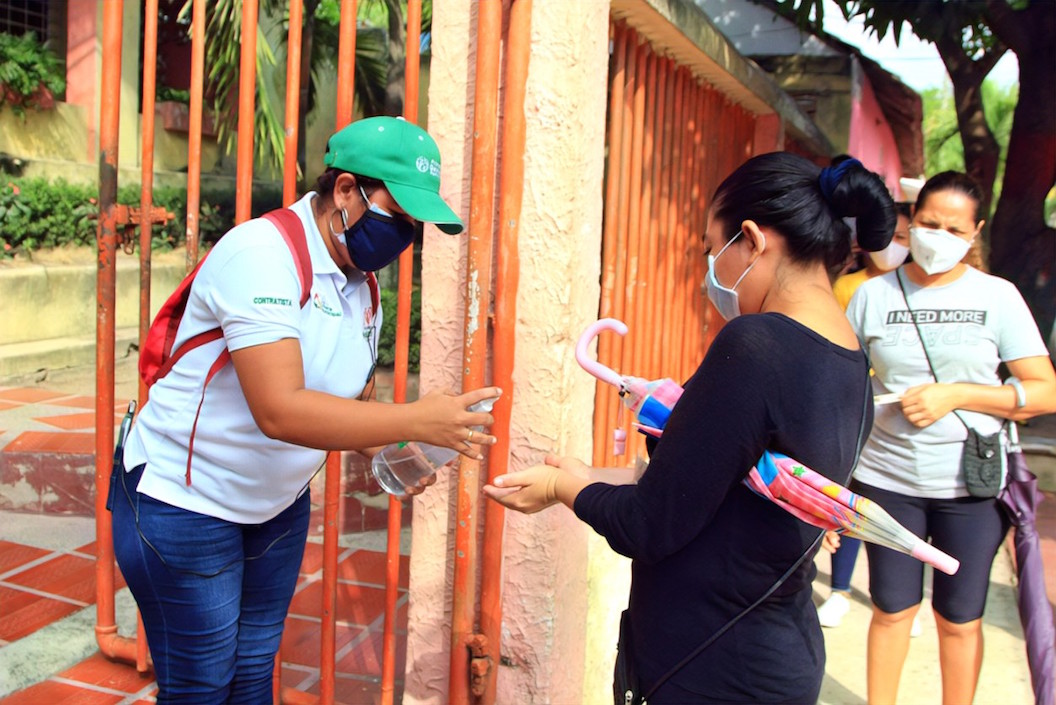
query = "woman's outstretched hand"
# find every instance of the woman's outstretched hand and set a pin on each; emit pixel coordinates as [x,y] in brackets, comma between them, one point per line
[558,479]
[443,420]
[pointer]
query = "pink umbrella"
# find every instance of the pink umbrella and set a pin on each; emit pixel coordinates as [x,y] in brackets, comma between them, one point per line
[802,492]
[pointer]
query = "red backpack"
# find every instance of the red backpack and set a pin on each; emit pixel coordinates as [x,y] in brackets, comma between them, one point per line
[157,358]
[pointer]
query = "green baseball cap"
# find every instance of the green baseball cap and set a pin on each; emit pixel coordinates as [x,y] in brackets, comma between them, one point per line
[404,157]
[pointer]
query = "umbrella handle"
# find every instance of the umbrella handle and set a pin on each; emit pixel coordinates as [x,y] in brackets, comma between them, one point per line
[927,553]
[594,367]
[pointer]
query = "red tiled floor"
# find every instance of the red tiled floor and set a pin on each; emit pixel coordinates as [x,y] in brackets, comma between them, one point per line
[300,641]
[98,670]
[74,422]
[52,442]
[369,567]
[365,657]
[54,693]
[360,691]
[13,555]
[355,604]
[313,558]
[86,403]
[30,395]
[66,575]
[22,613]
[360,652]
[359,567]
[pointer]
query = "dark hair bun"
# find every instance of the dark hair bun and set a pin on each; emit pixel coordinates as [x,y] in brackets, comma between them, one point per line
[862,195]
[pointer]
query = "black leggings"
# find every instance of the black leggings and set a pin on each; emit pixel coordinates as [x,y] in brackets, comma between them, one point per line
[968,528]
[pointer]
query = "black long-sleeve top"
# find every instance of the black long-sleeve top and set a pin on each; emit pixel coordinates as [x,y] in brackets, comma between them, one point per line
[704,546]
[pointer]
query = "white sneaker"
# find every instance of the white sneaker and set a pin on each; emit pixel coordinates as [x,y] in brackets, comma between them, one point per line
[832,611]
[916,630]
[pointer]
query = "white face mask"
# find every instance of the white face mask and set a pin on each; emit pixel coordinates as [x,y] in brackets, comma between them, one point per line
[890,257]
[726,301]
[937,251]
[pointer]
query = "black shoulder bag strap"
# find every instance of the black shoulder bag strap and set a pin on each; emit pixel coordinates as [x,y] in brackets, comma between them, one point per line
[780,581]
[920,335]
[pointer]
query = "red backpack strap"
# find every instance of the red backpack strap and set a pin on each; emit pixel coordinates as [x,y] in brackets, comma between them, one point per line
[375,294]
[225,356]
[291,228]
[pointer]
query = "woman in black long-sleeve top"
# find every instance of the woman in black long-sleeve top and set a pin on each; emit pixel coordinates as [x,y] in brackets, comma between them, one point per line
[789,377]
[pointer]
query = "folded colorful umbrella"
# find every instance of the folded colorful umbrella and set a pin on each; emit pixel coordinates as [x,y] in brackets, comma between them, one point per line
[802,492]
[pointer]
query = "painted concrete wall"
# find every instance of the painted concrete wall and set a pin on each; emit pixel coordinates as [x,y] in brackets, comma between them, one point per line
[869,136]
[548,574]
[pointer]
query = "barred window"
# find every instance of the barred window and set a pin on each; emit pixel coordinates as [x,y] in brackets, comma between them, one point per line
[20,17]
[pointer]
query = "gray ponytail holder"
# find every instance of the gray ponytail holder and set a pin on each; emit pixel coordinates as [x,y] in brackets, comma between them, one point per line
[831,176]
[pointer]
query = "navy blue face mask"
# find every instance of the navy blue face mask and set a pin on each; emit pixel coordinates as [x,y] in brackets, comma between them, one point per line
[377,238]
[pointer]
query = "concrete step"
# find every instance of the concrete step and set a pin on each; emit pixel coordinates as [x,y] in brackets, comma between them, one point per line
[32,360]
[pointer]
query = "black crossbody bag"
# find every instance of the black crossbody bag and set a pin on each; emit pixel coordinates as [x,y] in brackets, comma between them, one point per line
[626,685]
[983,461]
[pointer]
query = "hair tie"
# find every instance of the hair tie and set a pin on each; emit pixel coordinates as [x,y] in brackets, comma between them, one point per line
[831,176]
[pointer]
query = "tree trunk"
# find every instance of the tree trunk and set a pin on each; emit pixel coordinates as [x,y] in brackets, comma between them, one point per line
[1023,246]
[981,150]
[307,40]
[397,59]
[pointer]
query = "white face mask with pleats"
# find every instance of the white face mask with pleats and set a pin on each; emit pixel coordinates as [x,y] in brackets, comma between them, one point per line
[937,251]
[890,257]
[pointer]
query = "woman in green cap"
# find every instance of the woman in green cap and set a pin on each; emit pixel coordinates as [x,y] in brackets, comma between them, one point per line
[211,501]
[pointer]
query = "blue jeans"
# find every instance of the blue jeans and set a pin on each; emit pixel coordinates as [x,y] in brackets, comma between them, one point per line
[213,594]
[843,561]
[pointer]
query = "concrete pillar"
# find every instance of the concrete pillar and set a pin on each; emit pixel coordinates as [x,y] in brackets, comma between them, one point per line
[549,607]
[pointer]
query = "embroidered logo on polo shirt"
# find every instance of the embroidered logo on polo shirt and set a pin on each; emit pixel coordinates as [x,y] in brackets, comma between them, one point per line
[271,301]
[317,302]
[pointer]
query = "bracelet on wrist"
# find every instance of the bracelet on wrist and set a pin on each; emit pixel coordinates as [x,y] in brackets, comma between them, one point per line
[1021,394]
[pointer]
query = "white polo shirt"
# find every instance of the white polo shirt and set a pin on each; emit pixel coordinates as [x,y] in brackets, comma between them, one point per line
[249,286]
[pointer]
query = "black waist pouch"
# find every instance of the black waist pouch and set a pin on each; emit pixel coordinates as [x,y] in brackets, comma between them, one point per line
[982,462]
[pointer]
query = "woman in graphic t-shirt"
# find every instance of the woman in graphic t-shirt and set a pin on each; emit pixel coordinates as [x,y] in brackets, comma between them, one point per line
[967,323]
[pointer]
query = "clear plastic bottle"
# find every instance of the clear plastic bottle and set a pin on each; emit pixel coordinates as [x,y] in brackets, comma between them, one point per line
[398,466]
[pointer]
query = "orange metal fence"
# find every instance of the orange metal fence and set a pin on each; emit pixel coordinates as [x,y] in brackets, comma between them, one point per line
[111,643]
[671,139]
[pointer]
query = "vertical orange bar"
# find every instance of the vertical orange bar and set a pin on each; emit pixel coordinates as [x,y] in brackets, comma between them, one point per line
[687,228]
[146,226]
[346,63]
[653,305]
[619,300]
[247,91]
[194,136]
[332,477]
[293,102]
[507,282]
[402,350]
[106,293]
[674,133]
[603,395]
[289,188]
[702,314]
[475,334]
[146,172]
[634,220]
[640,283]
